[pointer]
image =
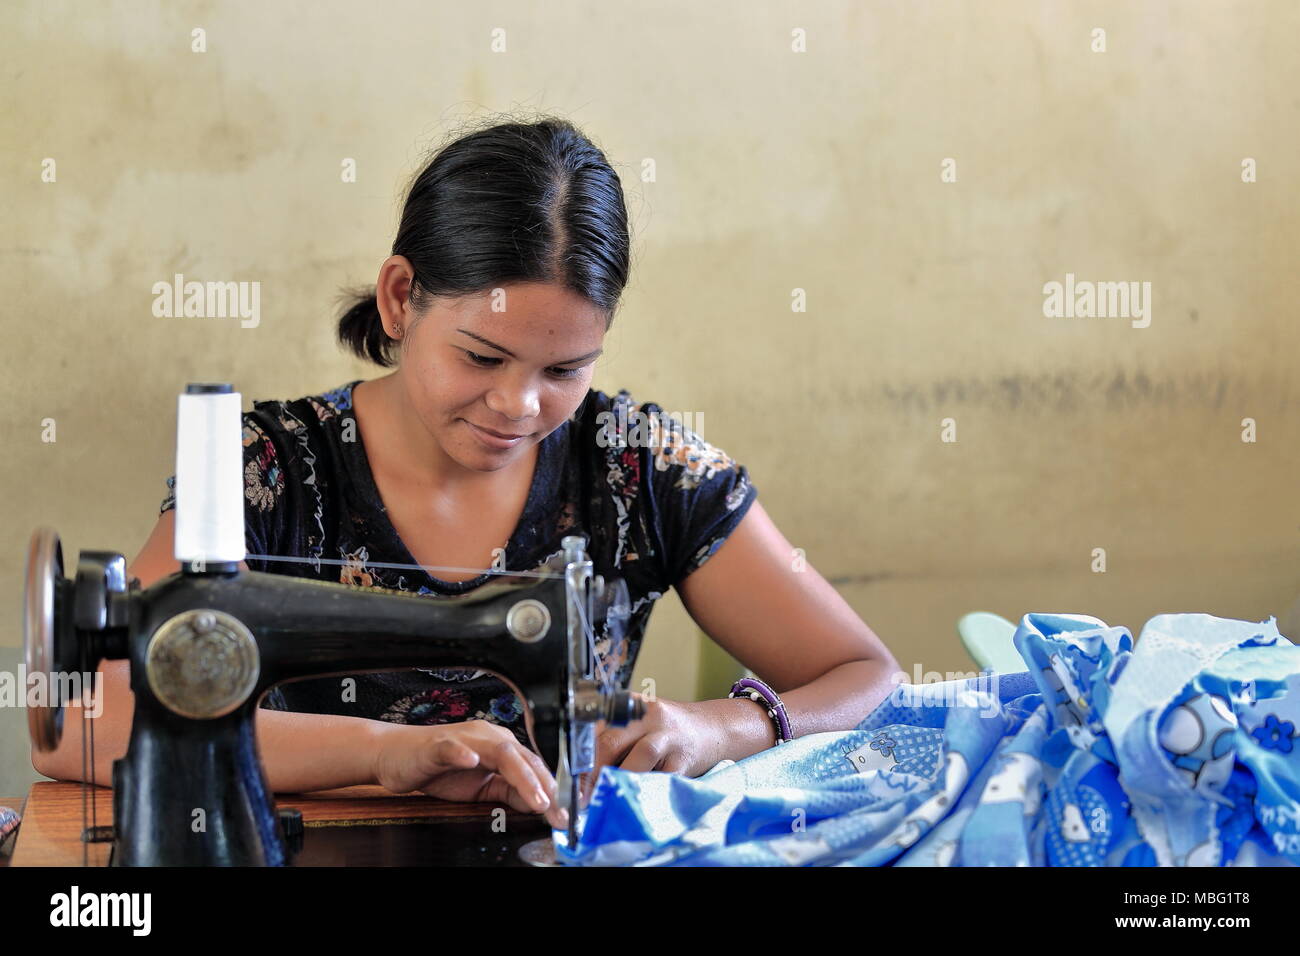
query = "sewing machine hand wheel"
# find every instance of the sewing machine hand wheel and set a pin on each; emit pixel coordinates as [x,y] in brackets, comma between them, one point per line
[43,599]
[53,607]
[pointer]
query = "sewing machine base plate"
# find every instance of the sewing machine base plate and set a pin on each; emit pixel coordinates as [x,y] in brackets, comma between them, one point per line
[418,843]
[355,826]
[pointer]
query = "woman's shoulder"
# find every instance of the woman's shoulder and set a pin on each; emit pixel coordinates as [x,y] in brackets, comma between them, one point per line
[599,401]
[292,436]
[672,440]
[684,493]
[293,460]
[292,415]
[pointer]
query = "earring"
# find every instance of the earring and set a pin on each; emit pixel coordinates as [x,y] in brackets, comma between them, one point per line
[398,330]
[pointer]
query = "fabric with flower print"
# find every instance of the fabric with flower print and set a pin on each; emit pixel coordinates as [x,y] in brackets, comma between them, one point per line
[655,508]
[1275,734]
[1180,750]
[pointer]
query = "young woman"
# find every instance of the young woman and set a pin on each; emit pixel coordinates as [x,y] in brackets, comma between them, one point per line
[480,450]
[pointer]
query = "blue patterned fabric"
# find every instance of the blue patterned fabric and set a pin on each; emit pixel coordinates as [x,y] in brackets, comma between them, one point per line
[1180,750]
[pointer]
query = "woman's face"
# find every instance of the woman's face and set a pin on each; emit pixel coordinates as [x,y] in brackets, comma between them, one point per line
[516,361]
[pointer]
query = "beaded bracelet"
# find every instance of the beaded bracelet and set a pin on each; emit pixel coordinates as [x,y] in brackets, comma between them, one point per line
[757,691]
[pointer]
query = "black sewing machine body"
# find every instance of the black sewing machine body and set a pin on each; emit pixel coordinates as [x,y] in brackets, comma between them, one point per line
[194,645]
[207,643]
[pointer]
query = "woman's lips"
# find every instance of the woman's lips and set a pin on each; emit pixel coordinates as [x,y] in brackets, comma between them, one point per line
[492,438]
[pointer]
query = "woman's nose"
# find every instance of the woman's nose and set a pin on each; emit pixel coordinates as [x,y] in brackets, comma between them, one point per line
[516,401]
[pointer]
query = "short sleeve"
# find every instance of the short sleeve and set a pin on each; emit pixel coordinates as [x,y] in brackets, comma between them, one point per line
[264,493]
[698,492]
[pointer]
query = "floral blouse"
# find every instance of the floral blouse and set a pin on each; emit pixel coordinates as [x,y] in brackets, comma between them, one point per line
[655,500]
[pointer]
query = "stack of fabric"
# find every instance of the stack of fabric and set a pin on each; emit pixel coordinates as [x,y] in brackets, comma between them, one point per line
[1179,751]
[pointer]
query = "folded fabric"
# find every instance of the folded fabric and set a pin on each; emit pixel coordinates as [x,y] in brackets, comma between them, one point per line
[9,820]
[1177,751]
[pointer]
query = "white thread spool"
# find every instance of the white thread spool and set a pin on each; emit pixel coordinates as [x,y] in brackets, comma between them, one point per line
[209,475]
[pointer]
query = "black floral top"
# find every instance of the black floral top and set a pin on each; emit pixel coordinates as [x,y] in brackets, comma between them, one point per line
[654,506]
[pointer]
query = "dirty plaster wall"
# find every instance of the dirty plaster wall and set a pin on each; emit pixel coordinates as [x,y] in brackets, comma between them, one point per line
[775,171]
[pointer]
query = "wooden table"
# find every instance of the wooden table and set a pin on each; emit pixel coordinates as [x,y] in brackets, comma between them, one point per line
[351,826]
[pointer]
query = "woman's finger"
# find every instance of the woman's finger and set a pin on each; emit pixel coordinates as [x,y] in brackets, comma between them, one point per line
[511,764]
[542,771]
[556,815]
[613,745]
[521,764]
[649,751]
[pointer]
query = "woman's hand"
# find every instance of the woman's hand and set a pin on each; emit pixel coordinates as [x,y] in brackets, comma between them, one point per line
[672,737]
[474,760]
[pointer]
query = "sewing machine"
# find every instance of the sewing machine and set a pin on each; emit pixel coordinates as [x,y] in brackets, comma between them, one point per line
[205,644]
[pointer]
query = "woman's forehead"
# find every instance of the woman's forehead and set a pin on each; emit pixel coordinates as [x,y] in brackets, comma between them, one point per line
[526,317]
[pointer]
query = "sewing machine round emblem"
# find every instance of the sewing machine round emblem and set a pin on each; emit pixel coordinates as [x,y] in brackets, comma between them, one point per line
[528,621]
[202,663]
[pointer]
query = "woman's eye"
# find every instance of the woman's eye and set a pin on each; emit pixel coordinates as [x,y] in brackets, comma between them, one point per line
[487,361]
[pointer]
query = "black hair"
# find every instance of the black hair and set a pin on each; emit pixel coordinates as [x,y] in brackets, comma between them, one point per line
[515,202]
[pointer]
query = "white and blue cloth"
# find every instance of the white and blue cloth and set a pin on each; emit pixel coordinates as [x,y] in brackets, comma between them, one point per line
[1180,750]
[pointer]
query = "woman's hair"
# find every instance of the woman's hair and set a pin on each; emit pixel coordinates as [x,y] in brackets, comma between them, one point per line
[515,202]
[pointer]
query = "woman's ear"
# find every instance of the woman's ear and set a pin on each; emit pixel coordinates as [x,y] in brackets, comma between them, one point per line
[393,294]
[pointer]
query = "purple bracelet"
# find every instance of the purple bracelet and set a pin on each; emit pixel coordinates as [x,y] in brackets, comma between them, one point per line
[756,690]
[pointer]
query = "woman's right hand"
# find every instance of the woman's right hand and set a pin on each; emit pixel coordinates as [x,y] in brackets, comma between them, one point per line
[474,760]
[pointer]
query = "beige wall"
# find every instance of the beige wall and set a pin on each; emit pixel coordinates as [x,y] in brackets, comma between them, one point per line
[775,170]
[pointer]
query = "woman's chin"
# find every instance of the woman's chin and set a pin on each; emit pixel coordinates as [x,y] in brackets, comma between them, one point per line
[477,458]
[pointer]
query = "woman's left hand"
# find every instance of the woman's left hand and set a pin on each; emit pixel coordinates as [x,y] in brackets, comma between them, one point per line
[672,737]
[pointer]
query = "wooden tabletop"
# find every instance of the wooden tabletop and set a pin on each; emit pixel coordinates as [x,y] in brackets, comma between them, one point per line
[50,834]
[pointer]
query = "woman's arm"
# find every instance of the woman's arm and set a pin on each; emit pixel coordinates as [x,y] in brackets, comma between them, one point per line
[788,626]
[300,752]
[472,760]
[793,630]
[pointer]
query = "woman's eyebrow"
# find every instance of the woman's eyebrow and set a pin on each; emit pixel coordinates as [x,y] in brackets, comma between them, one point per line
[502,348]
